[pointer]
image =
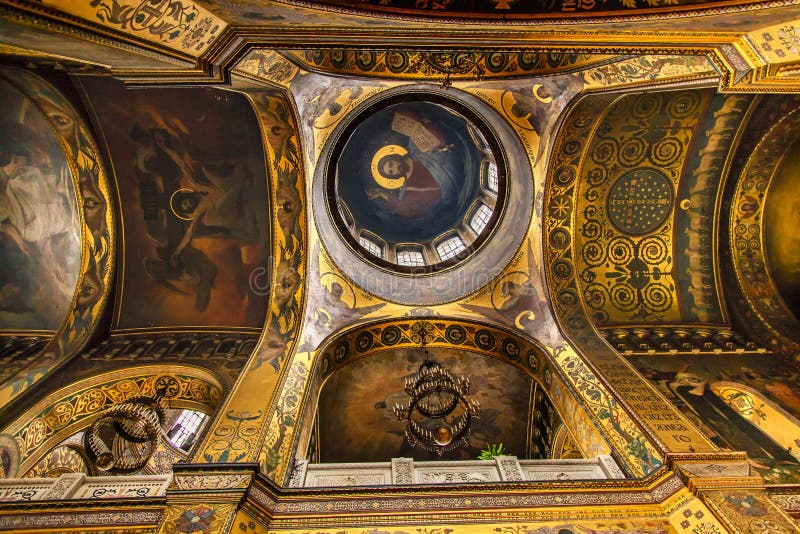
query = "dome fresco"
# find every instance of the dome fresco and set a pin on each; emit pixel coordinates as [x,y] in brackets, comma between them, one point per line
[416,184]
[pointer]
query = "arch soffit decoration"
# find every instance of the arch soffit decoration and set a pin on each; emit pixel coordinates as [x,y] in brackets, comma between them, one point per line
[272,360]
[763,413]
[68,410]
[362,341]
[746,230]
[97,223]
[562,281]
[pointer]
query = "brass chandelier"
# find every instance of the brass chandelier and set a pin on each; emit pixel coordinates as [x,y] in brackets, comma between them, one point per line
[438,416]
[123,438]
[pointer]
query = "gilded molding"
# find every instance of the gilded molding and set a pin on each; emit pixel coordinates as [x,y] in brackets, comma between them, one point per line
[81,519]
[40,16]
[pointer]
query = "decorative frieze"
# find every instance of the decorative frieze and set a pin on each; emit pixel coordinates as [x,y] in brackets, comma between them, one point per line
[79,486]
[509,468]
[298,473]
[175,346]
[610,466]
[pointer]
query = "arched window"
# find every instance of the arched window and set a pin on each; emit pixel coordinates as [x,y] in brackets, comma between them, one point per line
[410,257]
[492,180]
[187,426]
[370,246]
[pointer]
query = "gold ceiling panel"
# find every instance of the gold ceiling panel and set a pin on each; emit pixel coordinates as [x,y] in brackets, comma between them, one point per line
[644,206]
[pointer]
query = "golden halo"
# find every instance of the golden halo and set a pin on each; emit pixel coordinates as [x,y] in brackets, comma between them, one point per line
[172,200]
[377,175]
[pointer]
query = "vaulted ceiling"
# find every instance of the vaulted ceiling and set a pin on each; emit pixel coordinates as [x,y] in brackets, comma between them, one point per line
[644,204]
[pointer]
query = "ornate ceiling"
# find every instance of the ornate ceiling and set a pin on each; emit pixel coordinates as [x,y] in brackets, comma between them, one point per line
[496,9]
[228,185]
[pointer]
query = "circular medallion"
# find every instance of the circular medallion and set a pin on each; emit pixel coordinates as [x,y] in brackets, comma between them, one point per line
[417,184]
[640,201]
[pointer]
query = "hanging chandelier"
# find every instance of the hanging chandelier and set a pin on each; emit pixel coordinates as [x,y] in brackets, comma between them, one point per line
[438,416]
[124,437]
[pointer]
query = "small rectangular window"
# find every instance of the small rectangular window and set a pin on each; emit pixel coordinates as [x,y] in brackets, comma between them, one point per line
[492,181]
[450,247]
[410,258]
[370,246]
[481,218]
[185,429]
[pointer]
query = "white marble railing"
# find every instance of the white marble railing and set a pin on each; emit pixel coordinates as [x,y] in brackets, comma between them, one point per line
[305,475]
[80,486]
[407,471]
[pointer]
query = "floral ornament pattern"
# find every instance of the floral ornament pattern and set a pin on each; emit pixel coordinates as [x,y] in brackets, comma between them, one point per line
[198,519]
[746,505]
[750,511]
[790,39]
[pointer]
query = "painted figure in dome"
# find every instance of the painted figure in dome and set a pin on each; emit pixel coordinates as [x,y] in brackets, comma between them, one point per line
[412,179]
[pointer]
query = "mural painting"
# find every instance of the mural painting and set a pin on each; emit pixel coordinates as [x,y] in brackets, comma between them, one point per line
[697,386]
[516,297]
[356,422]
[191,170]
[39,220]
[410,171]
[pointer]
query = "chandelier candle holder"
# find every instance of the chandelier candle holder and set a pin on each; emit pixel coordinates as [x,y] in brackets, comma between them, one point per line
[438,416]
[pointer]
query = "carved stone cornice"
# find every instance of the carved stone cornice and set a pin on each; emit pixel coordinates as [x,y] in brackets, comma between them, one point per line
[229,481]
[712,471]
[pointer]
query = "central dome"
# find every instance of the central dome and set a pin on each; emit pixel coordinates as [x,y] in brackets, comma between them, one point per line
[417,185]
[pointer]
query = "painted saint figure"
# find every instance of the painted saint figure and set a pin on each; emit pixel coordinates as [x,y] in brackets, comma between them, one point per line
[184,199]
[38,226]
[412,180]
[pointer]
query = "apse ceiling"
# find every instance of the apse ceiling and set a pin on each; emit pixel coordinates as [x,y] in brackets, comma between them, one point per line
[356,423]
